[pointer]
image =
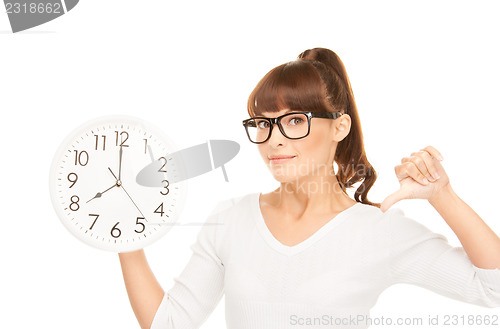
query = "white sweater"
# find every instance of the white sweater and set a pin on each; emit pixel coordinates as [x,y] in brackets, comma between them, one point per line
[339,271]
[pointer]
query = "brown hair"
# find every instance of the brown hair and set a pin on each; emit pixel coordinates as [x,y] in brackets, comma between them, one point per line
[318,81]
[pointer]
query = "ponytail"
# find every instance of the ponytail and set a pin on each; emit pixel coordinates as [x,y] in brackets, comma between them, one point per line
[350,155]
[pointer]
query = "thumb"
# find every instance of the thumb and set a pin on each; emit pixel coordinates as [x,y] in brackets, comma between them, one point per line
[391,199]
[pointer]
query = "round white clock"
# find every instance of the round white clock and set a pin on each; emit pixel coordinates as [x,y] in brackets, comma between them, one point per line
[94,190]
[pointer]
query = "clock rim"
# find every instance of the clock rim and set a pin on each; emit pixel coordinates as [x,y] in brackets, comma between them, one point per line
[63,218]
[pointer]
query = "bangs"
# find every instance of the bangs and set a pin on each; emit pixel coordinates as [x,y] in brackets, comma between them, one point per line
[296,86]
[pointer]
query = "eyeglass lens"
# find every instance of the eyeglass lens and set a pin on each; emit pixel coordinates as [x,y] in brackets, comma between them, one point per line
[295,125]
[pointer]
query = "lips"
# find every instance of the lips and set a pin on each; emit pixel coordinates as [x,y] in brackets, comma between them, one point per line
[276,159]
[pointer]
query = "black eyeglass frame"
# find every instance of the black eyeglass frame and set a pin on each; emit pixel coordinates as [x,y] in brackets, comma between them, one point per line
[277,120]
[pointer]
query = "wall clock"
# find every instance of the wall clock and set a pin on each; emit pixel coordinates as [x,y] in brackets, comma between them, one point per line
[94,190]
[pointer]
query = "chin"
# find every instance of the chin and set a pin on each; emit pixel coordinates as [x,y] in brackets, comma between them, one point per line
[282,176]
[288,172]
[284,179]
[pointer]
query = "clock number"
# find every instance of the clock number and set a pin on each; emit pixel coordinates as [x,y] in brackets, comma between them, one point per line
[145,145]
[139,223]
[165,187]
[96,216]
[74,202]
[161,168]
[72,181]
[115,231]
[159,210]
[78,158]
[124,133]
[103,142]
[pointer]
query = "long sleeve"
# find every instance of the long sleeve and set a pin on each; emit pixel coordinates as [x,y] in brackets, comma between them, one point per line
[199,288]
[421,257]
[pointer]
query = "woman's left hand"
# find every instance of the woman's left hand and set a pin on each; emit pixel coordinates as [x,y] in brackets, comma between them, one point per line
[421,176]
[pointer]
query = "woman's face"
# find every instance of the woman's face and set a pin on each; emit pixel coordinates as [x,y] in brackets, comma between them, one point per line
[306,157]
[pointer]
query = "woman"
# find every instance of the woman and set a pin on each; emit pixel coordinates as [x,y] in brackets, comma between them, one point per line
[307,254]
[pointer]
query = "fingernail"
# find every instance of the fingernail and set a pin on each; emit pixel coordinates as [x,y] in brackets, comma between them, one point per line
[440,157]
[436,175]
[425,181]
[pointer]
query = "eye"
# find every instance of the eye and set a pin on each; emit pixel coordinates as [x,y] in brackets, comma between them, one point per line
[251,124]
[263,124]
[295,120]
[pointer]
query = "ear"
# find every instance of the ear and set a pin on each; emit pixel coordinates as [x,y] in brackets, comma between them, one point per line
[342,127]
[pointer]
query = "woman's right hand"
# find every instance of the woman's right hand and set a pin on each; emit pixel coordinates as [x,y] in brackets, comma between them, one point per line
[144,291]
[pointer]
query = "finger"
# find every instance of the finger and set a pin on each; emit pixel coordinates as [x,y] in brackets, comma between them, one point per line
[391,199]
[410,169]
[425,164]
[400,171]
[435,153]
[419,162]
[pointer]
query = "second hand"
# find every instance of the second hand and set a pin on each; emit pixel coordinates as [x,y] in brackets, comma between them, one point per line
[119,184]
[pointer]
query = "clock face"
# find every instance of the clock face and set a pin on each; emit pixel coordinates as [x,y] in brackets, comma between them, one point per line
[94,190]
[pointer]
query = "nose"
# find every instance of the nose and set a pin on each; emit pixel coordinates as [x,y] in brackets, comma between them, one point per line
[276,137]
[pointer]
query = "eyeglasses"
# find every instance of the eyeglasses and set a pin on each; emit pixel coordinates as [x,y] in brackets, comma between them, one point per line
[294,125]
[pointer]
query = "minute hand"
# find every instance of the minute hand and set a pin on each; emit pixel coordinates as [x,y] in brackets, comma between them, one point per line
[120,164]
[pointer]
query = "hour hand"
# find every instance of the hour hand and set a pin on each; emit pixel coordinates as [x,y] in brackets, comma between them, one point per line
[99,194]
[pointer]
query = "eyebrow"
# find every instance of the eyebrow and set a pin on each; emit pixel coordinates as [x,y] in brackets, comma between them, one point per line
[288,111]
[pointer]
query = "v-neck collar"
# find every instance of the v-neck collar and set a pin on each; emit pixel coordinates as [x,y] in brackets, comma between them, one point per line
[292,250]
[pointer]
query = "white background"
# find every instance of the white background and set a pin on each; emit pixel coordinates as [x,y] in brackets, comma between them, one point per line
[423,73]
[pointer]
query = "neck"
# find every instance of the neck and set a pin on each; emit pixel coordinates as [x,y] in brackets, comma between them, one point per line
[311,196]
